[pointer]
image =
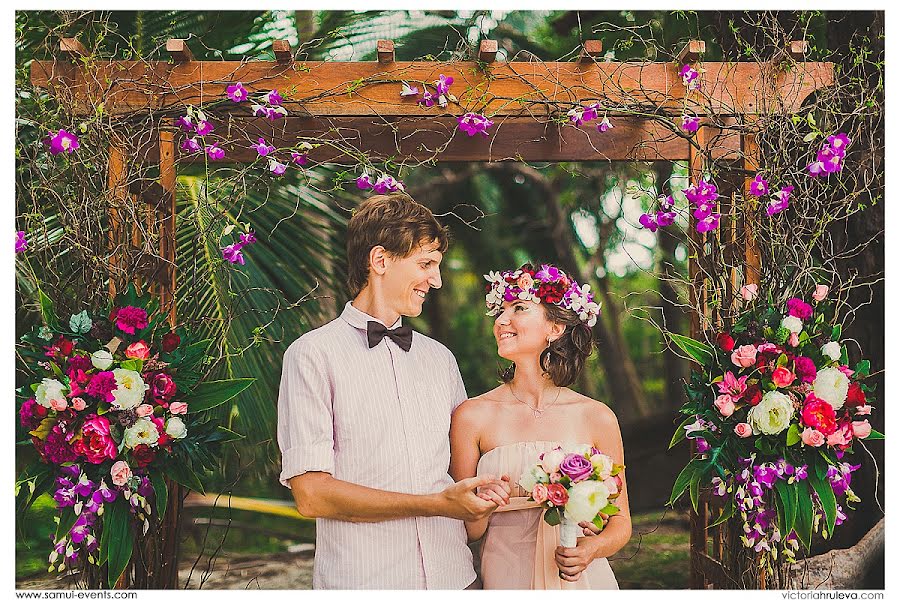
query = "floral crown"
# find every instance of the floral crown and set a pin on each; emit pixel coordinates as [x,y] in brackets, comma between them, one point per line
[547,284]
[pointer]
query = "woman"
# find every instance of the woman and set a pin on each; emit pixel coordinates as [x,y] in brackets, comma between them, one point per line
[543,325]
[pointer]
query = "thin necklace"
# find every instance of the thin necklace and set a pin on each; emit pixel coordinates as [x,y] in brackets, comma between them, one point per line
[536,412]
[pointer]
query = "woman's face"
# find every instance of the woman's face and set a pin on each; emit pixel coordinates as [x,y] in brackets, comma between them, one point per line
[522,329]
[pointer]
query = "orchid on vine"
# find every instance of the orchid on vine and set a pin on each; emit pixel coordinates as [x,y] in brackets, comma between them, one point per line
[690,123]
[214,152]
[263,149]
[191,145]
[780,202]
[473,123]
[759,186]
[21,242]
[63,141]
[408,91]
[277,168]
[690,77]
[604,125]
[237,92]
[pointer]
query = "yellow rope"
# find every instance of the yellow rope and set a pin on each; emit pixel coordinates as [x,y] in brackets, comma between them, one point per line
[281,508]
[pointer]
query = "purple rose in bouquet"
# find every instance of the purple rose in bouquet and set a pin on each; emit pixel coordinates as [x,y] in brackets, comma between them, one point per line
[577,467]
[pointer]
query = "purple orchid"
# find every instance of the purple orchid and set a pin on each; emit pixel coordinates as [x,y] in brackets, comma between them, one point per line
[214,152]
[759,186]
[665,218]
[274,98]
[473,123]
[780,203]
[690,77]
[386,184]
[277,168]
[236,92]
[709,223]
[191,145]
[21,242]
[186,123]
[690,123]
[299,159]
[427,99]
[232,253]
[604,125]
[408,91]
[442,85]
[649,222]
[204,127]
[363,182]
[263,149]
[63,141]
[247,238]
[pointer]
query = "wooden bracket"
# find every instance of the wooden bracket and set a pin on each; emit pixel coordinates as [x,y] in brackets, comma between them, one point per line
[385,51]
[72,47]
[591,51]
[282,50]
[179,50]
[691,52]
[487,51]
[795,51]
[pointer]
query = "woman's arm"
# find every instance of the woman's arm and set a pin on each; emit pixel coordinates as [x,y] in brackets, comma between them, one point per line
[617,531]
[464,455]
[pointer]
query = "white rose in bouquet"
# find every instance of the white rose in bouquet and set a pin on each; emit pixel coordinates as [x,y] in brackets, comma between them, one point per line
[176,428]
[602,465]
[49,390]
[586,499]
[142,432]
[552,460]
[102,359]
[131,389]
[831,386]
[773,413]
[792,324]
[832,350]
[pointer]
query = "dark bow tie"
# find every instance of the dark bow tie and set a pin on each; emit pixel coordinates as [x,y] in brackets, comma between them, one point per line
[402,336]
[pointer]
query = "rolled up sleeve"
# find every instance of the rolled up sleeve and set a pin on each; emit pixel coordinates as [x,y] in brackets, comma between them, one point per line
[305,417]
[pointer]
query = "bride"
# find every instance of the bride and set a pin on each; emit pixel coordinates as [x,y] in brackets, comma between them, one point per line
[543,325]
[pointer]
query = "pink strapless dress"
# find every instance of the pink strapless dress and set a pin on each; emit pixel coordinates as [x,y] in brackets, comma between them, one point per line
[518,547]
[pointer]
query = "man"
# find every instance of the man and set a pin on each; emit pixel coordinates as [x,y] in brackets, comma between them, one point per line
[364,415]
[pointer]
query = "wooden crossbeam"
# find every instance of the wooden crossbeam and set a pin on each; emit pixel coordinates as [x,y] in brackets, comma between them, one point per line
[282,51]
[691,52]
[179,50]
[72,47]
[591,51]
[487,51]
[385,49]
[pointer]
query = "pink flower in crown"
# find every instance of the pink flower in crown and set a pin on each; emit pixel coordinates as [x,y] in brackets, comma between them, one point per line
[525,281]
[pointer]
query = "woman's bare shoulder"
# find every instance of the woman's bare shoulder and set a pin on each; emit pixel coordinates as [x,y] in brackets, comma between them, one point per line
[478,406]
[597,411]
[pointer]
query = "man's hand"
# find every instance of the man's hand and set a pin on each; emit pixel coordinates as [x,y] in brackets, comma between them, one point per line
[572,561]
[497,492]
[459,500]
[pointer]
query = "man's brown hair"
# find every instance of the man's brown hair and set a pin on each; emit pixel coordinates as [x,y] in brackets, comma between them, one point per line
[394,221]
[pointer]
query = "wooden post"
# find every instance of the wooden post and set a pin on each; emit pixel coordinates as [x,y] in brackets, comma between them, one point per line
[179,50]
[282,51]
[752,260]
[385,49]
[166,218]
[591,51]
[118,194]
[487,51]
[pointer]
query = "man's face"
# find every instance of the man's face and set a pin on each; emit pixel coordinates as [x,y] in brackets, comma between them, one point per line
[408,280]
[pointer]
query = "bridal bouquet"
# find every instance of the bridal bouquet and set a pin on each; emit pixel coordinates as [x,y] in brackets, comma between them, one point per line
[116,407]
[574,485]
[775,415]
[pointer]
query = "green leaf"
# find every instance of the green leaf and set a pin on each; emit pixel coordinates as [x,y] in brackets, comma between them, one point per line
[134,364]
[835,333]
[698,351]
[224,435]
[80,323]
[788,496]
[862,368]
[804,522]
[66,521]
[610,509]
[829,503]
[682,482]
[793,435]
[844,358]
[552,516]
[183,474]
[694,489]
[210,394]
[782,360]
[119,538]
[680,433]
[874,435]
[160,491]
[810,136]
[48,313]
[727,512]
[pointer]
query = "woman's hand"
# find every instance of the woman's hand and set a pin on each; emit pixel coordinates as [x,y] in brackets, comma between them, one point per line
[572,561]
[498,492]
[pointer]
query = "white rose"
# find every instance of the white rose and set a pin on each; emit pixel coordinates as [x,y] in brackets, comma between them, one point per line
[586,498]
[602,465]
[792,324]
[532,477]
[142,432]
[773,413]
[576,448]
[831,386]
[102,359]
[552,460]
[176,428]
[832,350]
[131,389]
[49,390]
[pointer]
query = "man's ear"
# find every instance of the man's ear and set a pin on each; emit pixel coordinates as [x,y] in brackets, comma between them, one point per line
[378,258]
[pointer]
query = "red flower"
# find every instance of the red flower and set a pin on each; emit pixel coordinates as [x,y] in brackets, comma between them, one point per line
[819,414]
[65,346]
[855,396]
[139,350]
[96,443]
[782,377]
[162,388]
[164,439]
[725,342]
[753,395]
[557,494]
[171,340]
[130,318]
[143,455]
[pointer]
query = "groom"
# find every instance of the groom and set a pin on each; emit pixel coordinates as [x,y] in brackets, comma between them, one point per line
[364,416]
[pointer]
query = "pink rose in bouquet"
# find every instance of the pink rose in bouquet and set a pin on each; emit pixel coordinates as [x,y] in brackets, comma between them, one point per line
[557,494]
[744,356]
[782,377]
[138,350]
[861,429]
[577,467]
[743,430]
[120,473]
[539,493]
[812,437]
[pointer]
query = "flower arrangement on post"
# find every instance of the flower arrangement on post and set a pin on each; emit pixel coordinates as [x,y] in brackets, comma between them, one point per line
[118,406]
[776,414]
[574,484]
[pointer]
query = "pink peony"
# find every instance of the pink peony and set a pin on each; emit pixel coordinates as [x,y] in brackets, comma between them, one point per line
[861,429]
[819,414]
[138,350]
[782,377]
[725,405]
[178,408]
[800,309]
[820,292]
[743,430]
[539,493]
[812,437]
[744,356]
[120,473]
[96,442]
[131,318]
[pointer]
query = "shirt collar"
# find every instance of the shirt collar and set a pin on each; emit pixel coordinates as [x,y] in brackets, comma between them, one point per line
[359,319]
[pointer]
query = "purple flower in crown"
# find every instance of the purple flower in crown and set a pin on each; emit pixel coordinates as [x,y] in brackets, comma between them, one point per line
[709,223]
[274,98]
[204,127]
[236,92]
[276,168]
[690,77]
[548,273]
[21,242]
[780,203]
[232,253]
[649,222]
[690,123]
[408,90]
[62,141]
[263,149]
[473,123]
[604,125]
[759,186]
[186,123]
[214,152]
[191,145]
[363,182]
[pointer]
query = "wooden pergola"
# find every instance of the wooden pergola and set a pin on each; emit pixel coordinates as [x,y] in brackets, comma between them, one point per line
[356,105]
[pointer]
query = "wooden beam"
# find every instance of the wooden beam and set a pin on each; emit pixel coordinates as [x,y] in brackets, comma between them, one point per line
[166,219]
[691,52]
[72,47]
[371,88]
[282,50]
[385,50]
[179,50]
[487,51]
[592,51]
